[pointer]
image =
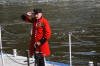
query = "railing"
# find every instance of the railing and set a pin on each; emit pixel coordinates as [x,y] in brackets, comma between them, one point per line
[70,51]
[91,63]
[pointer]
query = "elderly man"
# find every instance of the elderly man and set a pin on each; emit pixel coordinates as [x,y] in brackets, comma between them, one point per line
[40,34]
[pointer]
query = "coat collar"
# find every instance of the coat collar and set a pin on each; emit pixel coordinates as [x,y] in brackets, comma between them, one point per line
[38,19]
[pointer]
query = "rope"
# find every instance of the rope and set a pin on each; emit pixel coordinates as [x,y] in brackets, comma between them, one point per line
[77,38]
[13,24]
[13,33]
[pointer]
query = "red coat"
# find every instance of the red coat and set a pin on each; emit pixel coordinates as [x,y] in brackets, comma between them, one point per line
[41,32]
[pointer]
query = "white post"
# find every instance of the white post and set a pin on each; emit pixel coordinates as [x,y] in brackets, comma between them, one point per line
[98,64]
[91,63]
[2,59]
[44,60]
[15,52]
[70,48]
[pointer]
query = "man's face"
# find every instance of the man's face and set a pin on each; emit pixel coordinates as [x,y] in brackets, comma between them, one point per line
[38,15]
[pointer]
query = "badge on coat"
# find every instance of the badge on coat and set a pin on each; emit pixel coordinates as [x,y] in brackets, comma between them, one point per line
[40,24]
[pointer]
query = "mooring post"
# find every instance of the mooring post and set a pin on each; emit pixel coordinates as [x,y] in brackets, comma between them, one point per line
[91,63]
[70,48]
[98,64]
[44,60]
[1,50]
[15,52]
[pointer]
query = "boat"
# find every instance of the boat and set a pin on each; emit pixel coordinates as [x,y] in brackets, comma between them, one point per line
[11,60]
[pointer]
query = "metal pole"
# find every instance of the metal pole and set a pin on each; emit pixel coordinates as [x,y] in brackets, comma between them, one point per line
[70,48]
[35,64]
[28,57]
[2,59]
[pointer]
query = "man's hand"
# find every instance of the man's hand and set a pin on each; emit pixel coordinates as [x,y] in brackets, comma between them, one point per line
[29,13]
[38,43]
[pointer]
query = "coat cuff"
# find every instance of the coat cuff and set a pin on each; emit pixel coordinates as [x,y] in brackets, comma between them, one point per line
[43,40]
[24,16]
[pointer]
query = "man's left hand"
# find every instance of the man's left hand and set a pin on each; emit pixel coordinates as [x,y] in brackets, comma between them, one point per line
[38,43]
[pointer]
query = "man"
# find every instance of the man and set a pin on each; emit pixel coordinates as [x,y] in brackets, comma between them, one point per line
[40,34]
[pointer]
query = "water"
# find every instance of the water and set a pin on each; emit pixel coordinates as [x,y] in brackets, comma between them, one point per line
[81,17]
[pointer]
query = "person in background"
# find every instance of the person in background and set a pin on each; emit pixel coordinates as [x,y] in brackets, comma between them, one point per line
[41,33]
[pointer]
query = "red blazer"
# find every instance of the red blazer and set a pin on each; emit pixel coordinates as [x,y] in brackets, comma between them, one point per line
[41,32]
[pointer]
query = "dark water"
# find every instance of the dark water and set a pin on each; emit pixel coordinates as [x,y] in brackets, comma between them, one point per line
[82,18]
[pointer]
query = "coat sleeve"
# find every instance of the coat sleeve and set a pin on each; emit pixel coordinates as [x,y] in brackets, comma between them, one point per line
[26,18]
[47,32]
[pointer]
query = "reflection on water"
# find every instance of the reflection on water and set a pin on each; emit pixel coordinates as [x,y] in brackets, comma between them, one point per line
[79,17]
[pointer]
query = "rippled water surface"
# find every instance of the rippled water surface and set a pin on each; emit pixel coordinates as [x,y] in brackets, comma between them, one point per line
[81,17]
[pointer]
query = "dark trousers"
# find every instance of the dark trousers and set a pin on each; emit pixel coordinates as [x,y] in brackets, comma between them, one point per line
[39,61]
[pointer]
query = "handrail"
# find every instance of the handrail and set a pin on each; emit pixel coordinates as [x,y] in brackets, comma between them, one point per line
[2,59]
